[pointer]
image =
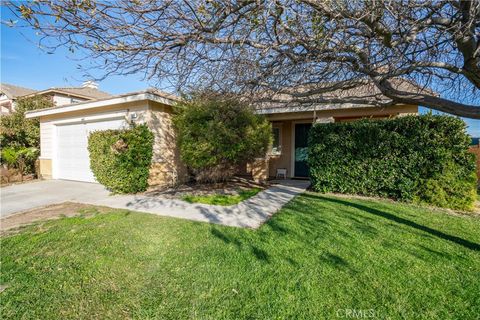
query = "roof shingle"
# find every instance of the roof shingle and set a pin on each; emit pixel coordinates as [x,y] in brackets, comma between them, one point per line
[12,92]
[87,92]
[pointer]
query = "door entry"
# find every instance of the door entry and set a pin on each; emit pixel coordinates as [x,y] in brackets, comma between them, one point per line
[301,149]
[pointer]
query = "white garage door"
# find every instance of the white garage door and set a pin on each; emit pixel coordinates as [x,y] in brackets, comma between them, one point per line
[73,162]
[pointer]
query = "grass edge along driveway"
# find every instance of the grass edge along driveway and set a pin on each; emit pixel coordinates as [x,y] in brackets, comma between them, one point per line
[318,257]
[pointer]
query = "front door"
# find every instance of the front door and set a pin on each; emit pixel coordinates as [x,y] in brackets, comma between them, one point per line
[301,149]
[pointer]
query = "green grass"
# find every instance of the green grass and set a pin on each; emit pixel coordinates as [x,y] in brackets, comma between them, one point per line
[223,199]
[317,257]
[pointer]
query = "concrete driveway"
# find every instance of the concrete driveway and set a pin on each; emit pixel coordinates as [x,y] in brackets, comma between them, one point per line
[250,213]
[26,196]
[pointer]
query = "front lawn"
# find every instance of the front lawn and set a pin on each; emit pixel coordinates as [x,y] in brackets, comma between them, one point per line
[222,199]
[318,258]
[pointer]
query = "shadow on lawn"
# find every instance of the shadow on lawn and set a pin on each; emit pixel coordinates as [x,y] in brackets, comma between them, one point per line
[299,228]
[260,254]
[467,244]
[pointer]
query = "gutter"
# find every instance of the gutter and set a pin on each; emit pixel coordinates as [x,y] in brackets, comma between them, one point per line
[338,106]
[129,97]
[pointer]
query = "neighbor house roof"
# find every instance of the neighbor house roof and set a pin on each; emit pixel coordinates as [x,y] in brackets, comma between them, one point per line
[12,92]
[149,94]
[81,92]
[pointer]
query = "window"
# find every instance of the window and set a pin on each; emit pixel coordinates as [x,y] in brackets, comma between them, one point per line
[73,100]
[277,142]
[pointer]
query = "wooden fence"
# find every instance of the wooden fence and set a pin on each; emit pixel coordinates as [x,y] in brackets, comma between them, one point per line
[476,150]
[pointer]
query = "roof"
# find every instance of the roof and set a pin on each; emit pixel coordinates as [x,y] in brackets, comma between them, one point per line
[13,92]
[363,96]
[149,94]
[82,92]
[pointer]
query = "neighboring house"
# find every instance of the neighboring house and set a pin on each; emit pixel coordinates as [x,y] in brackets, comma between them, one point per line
[64,133]
[60,96]
[8,94]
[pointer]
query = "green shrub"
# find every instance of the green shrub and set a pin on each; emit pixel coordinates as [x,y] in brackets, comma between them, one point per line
[415,158]
[216,134]
[26,159]
[9,156]
[121,159]
[20,158]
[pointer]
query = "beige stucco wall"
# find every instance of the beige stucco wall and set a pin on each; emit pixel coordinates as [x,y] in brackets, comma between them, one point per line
[284,159]
[62,100]
[6,104]
[45,168]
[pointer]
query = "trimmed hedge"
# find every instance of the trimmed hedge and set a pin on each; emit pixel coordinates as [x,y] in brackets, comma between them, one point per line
[414,158]
[121,159]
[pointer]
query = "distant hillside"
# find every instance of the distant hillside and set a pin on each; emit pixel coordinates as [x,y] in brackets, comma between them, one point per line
[475,141]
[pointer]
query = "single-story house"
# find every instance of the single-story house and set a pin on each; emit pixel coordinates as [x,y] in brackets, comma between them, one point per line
[64,133]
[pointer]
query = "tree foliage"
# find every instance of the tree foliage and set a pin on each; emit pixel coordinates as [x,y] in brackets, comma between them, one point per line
[16,131]
[282,51]
[218,133]
[20,137]
[414,158]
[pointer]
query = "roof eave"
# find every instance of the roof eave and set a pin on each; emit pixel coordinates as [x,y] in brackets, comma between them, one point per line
[274,110]
[132,97]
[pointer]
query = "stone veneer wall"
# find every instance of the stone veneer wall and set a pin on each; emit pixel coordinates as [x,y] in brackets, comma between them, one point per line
[259,169]
[167,168]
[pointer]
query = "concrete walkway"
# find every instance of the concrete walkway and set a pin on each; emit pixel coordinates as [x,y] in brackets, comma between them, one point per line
[250,213]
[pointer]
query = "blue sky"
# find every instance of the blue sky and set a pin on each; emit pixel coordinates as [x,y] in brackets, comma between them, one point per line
[26,65]
[23,63]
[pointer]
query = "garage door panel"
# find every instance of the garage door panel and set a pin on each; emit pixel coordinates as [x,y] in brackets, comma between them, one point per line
[73,161]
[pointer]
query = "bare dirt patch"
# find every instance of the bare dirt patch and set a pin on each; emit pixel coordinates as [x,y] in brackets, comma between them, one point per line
[13,223]
[231,187]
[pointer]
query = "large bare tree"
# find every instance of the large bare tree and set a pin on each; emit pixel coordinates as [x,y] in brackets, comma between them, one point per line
[295,51]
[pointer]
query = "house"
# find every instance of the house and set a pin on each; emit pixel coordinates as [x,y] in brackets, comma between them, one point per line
[60,96]
[8,94]
[64,133]
[291,124]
